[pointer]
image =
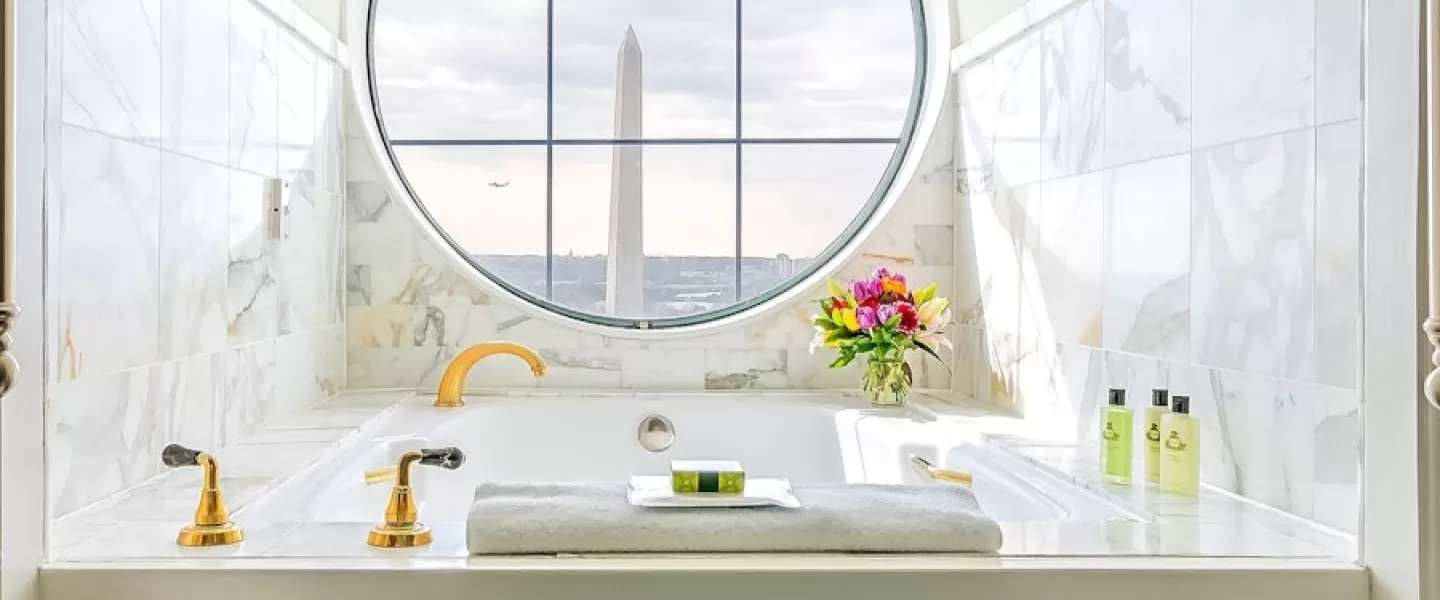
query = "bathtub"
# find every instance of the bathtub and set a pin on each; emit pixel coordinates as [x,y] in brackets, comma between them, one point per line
[597,438]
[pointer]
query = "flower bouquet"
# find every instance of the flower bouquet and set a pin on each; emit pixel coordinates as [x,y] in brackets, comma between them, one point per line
[880,317]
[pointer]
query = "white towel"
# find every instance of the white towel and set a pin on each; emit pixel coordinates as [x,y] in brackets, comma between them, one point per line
[552,518]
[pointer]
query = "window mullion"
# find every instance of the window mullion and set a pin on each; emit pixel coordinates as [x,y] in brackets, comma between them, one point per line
[739,153]
[550,150]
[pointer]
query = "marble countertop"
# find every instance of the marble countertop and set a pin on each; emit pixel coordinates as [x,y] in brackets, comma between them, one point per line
[141,523]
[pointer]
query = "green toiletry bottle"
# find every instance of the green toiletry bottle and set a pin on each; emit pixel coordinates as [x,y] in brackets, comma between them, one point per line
[1180,450]
[1116,439]
[1159,406]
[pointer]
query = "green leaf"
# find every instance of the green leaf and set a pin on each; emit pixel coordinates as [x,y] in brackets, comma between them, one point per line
[893,322]
[825,323]
[835,289]
[925,294]
[931,351]
[841,361]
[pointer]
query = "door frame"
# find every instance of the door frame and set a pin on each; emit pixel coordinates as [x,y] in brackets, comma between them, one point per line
[22,421]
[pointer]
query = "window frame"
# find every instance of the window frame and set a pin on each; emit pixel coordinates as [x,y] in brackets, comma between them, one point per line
[869,211]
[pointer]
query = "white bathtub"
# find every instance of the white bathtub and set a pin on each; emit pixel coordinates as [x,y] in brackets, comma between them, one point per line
[589,438]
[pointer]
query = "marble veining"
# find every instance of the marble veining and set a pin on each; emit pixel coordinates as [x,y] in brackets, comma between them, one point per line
[1063,284]
[1147,258]
[111,66]
[1072,136]
[177,317]
[109,207]
[195,80]
[193,258]
[1000,120]
[1254,271]
[1254,68]
[1147,79]
[254,90]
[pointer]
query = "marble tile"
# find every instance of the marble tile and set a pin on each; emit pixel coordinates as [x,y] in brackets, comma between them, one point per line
[348,540]
[253,275]
[269,461]
[357,285]
[662,369]
[111,67]
[789,329]
[157,541]
[1339,59]
[330,153]
[254,90]
[1257,437]
[1339,153]
[309,262]
[193,256]
[396,367]
[1063,284]
[574,369]
[1072,138]
[103,435]
[1338,448]
[195,78]
[977,374]
[329,435]
[746,369]
[1253,279]
[309,369]
[1147,79]
[1001,120]
[1147,258]
[109,252]
[299,130]
[251,389]
[936,244]
[1254,68]
[169,497]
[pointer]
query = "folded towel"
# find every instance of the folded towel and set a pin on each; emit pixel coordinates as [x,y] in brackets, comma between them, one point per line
[554,518]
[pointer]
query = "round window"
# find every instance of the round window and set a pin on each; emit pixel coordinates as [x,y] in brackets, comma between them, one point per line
[646,163]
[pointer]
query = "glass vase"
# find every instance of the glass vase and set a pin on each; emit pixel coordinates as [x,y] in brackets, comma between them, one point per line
[888,382]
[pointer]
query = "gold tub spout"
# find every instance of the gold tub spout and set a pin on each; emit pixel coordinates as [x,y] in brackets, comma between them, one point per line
[452,383]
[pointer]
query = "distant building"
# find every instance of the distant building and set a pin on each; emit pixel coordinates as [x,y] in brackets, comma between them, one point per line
[783,266]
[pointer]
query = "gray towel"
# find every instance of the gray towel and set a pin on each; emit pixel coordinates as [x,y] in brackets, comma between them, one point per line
[578,518]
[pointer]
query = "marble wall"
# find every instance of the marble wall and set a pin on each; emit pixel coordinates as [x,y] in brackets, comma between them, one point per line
[173,315]
[1166,193]
[409,312]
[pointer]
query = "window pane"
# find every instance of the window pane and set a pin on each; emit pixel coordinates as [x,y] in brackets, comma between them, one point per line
[461,69]
[491,200]
[678,202]
[798,199]
[827,68]
[673,62]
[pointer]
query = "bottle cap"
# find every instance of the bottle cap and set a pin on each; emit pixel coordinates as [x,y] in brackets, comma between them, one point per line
[1181,404]
[1117,397]
[1159,397]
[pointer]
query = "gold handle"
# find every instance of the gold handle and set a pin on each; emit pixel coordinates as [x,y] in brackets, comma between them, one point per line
[212,526]
[401,528]
[929,469]
[380,475]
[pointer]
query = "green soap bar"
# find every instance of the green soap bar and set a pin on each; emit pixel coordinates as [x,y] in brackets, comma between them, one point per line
[707,476]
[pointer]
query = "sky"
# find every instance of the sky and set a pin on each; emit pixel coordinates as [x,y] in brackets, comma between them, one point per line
[453,69]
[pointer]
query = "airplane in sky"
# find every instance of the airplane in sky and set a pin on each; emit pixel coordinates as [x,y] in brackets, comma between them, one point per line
[499,184]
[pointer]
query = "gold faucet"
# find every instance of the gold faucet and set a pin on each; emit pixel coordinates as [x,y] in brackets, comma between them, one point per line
[452,383]
[212,526]
[401,529]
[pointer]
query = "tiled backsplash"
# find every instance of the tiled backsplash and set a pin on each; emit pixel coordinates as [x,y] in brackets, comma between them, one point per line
[174,317]
[1166,193]
[410,312]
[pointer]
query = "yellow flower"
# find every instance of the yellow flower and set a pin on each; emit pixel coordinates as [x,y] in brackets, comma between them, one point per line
[893,285]
[930,312]
[848,315]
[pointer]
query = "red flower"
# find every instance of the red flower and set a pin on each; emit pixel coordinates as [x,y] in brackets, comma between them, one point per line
[909,319]
[838,303]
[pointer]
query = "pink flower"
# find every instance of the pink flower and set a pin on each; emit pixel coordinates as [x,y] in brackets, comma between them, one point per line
[867,318]
[886,312]
[865,289]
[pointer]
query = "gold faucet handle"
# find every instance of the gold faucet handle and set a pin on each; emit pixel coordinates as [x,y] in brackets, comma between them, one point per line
[380,475]
[212,526]
[450,458]
[941,474]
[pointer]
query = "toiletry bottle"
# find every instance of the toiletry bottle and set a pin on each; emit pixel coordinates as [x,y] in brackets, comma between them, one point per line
[1159,405]
[1180,449]
[1116,437]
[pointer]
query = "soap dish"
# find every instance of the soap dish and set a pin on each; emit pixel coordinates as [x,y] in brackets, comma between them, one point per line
[652,491]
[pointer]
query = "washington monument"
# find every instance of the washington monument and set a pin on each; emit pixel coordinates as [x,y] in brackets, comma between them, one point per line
[625,264]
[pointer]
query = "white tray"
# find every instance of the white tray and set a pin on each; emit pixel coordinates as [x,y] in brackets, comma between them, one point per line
[653,491]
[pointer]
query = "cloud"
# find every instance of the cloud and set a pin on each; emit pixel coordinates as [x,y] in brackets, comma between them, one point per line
[812,68]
